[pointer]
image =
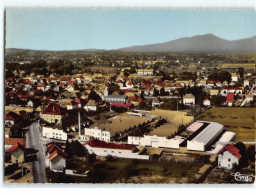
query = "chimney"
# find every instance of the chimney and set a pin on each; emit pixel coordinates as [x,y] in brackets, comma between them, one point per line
[79,124]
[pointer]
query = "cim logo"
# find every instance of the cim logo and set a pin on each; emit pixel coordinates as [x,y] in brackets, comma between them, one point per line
[242,177]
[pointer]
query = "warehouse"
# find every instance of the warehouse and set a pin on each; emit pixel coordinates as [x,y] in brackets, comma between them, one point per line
[204,133]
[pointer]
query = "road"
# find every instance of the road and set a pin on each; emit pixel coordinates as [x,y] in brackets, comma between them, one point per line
[35,141]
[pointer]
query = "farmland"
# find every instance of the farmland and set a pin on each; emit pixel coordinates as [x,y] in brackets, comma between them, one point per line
[238,120]
[245,66]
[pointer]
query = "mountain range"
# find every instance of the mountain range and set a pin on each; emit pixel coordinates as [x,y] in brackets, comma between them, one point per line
[207,43]
[198,44]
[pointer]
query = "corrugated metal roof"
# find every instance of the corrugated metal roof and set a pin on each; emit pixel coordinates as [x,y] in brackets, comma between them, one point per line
[209,132]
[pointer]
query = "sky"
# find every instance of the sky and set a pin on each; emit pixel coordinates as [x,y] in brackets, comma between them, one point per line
[71,29]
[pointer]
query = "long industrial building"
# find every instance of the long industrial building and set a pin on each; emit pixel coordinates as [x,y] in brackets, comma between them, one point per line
[204,133]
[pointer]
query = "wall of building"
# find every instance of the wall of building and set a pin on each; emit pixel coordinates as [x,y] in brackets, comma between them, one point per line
[17,156]
[116,153]
[153,141]
[52,133]
[227,160]
[58,163]
[51,118]
[98,134]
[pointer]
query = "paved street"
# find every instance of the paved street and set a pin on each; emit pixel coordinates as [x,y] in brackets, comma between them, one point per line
[35,141]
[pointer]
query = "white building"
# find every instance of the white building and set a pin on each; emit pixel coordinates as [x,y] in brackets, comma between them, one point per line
[246,83]
[204,133]
[206,102]
[101,148]
[54,133]
[236,90]
[145,72]
[91,106]
[97,134]
[234,77]
[72,105]
[154,141]
[188,99]
[55,158]
[228,157]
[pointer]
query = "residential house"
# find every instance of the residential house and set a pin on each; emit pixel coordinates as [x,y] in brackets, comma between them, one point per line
[228,157]
[230,99]
[56,159]
[234,77]
[72,105]
[246,83]
[53,113]
[91,105]
[206,102]
[98,134]
[188,99]
[12,118]
[41,86]
[17,153]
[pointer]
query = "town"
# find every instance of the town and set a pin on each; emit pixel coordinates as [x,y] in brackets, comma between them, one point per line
[124,117]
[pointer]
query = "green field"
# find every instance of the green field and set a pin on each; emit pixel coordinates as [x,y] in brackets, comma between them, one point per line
[120,170]
[235,119]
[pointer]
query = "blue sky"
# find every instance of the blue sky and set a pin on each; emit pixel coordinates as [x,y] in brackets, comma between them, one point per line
[111,29]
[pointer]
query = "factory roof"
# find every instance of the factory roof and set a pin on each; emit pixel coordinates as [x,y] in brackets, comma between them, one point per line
[210,129]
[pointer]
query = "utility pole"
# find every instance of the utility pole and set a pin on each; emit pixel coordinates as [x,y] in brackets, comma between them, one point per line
[79,124]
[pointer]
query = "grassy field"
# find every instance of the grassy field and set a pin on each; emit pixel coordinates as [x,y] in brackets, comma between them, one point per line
[131,171]
[245,66]
[238,120]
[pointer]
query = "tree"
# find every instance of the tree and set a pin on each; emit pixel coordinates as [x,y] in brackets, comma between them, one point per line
[224,76]
[156,92]
[241,72]
[91,158]
[162,92]
[251,153]
[243,162]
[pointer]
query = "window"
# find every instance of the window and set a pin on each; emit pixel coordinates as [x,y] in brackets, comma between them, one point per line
[112,151]
[229,160]
[105,151]
[119,152]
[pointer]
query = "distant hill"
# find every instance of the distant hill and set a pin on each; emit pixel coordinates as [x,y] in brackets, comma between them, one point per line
[207,43]
[201,43]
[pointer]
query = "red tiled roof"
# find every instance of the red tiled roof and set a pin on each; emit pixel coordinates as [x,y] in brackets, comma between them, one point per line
[160,83]
[212,82]
[26,81]
[206,99]
[119,81]
[40,85]
[126,78]
[127,90]
[54,108]
[232,149]
[71,83]
[10,79]
[72,103]
[233,88]
[79,76]
[64,79]
[52,147]
[24,97]
[11,94]
[12,116]
[147,82]
[130,83]
[55,154]
[101,144]
[127,105]
[62,84]
[230,97]
[148,87]
[15,146]
[80,101]
[11,141]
